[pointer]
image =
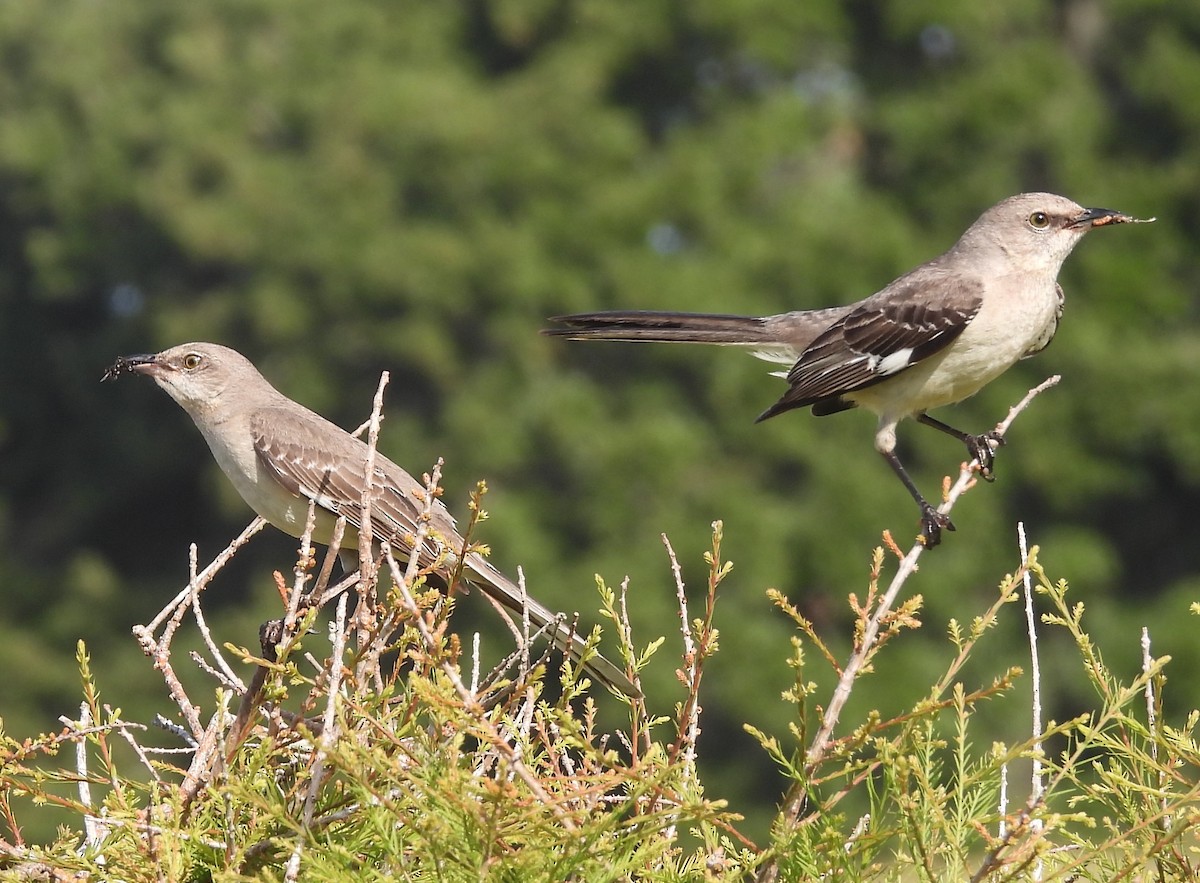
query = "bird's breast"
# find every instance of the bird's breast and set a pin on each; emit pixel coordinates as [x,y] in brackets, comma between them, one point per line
[1005,330]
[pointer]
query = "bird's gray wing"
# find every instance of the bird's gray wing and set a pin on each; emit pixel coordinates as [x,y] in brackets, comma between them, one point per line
[909,321]
[315,460]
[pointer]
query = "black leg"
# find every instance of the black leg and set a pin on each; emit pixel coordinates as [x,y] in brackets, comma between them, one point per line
[932,521]
[979,447]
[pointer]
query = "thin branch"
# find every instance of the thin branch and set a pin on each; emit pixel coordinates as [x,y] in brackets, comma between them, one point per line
[796,800]
[94,828]
[365,610]
[1152,725]
[205,576]
[326,738]
[227,672]
[208,753]
[688,717]
[470,702]
[304,558]
[1036,787]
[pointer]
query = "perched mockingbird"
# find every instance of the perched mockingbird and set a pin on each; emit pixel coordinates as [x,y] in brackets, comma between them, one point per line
[280,456]
[930,338]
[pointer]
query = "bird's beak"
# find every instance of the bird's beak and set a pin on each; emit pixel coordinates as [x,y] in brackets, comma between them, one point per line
[1101,217]
[140,364]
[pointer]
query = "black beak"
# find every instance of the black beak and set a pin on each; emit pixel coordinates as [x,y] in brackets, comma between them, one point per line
[1101,217]
[128,365]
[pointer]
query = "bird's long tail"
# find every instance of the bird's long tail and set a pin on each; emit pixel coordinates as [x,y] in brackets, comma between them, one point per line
[663,326]
[508,594]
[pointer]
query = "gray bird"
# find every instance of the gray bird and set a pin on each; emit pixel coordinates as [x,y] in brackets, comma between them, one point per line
[932,337]
[280,456]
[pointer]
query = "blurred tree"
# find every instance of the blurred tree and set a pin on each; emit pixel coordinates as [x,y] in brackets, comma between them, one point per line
[337,189]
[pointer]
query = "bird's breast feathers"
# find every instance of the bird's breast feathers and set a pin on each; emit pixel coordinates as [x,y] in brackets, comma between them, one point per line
[1001,333]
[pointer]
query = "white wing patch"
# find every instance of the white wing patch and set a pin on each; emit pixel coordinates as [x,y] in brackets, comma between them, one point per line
[780,355]
[892,362]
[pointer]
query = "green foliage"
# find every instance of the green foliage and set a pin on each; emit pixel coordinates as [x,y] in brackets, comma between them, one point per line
[338,189]
[1112,802]
[378,776]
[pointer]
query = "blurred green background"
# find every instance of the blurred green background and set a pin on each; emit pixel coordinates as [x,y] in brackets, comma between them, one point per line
[341,188]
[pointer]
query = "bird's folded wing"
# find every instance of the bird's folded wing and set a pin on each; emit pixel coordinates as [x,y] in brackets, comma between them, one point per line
[316,460]
[883,336]
[322,463]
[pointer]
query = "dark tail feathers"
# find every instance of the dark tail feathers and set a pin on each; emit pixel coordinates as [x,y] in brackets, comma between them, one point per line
[661,326]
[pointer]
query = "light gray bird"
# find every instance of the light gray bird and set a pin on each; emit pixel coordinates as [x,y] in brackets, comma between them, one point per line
[932,337]
[280,456]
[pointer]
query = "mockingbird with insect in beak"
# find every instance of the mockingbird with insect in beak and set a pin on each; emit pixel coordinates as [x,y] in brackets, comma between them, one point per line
[932,337]
[281,456]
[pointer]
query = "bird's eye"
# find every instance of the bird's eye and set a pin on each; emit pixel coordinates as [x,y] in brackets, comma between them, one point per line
[1039,220]
[192,361]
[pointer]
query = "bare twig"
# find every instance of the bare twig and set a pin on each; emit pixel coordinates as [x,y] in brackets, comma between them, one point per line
[365,611]
[227,672]
[1152,727]
[523,636]
[639,728]
[697,648]
[331,555]
[1037,786]
[329,722]
[797,798]
[234,686]
[689,719]
[161,654]
[1147,662]
[370,652]
[347,582]
[93,827]
[208,754]
[304,558]
[125,731]
[270,635]
[325,739]
[205,576]
[470,702]
[159,649]
[907,566]
[475,663]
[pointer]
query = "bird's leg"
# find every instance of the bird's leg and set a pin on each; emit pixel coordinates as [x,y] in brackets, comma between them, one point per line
[932,521]
[980,447]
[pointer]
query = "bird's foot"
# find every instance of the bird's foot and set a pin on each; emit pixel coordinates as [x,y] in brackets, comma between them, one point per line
[932,524]
[983,449]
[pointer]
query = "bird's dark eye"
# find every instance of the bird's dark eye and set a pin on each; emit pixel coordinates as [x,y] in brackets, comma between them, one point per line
[1039,220]
[192,361]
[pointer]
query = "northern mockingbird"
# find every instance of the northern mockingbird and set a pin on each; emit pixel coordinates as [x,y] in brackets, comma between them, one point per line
[281,456]
[934,336]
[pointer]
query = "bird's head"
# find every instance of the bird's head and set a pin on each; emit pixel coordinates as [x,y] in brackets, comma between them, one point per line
[195,375]
[1039,230]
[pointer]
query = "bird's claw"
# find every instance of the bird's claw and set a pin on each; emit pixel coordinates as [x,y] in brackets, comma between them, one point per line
[933,523]
[982,448]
